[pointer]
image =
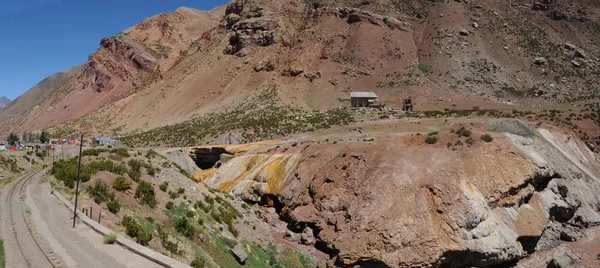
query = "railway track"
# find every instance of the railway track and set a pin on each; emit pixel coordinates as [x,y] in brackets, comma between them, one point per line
[16,201]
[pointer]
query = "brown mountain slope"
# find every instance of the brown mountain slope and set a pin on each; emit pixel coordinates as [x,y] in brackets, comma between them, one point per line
[313,53]
[123,64]
[4,101]
[36,94]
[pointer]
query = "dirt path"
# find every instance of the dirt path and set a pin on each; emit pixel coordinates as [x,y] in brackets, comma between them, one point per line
[51,224]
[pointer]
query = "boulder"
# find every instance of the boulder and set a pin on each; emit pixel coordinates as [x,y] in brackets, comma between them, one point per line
[291,236]
[580,53]
[540,61]
[575,63]
[464,32]
[292,71]
[239,253]
[312,75]
[308,237]
[563,261]
[267,66]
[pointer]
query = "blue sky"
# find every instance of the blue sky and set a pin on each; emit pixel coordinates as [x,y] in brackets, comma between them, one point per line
[42,37]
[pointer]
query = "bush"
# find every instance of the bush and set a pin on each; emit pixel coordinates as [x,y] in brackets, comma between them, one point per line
[487,138]
[135,164]
[198,262]
[135,230]
[93,152]
[101,192]
[464,132]
[120,151]
[170,205]
[114,206]
[431,140]
[184,227]
[469,141]
[145,193]
[110,238]
[135,175]
[424,67]
[163,186]
[181,190]
[173,195]
[121,184]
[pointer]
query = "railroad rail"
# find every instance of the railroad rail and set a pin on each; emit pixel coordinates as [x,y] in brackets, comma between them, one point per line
[20,186]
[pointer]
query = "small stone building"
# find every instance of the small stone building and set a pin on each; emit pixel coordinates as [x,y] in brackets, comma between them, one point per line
[364,99]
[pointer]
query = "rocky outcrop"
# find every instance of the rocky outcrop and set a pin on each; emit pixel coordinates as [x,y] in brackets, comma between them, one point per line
[354,15]
[118,59]
[425,206]
[248,25]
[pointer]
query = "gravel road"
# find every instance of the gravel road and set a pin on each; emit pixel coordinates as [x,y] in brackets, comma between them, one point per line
[52,226]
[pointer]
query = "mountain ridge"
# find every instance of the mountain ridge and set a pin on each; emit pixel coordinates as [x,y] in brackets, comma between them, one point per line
[188,63]
[4,101]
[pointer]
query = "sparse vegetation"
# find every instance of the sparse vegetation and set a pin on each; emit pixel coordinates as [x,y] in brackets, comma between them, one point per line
[145,194]
[487,138]
[198,262]
[2,255]
[425,68]
[110,238]
[135,230]
[121,184]
[101,192]
[431,139]
[163,186]
[261,117]
[114,206]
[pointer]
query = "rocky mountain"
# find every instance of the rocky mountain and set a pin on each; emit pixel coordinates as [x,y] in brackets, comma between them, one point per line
[34,96]
[4,101]
[190,63]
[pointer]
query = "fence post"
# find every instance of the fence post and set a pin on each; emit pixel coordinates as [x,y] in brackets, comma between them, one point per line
[100,217]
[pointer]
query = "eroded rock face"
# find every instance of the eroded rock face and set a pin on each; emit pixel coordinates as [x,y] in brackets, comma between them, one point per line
[389,204]
[249,25]
[116,60]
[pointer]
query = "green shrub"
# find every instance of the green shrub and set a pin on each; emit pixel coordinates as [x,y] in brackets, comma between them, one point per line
[425,68]
[199,262]
[135,164]
[163,186]
[120,151]
[145,194]
[184,227]
[135,175]
[101,192]
[431,140]
[121,184]
[114,206]
[173,195]
[469,141]
[464,132]
[181,190]
[110,238]
[170,205]
[135,230]
[487,138]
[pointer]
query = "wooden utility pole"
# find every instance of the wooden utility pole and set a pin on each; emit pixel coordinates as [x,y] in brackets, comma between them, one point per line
[78,174]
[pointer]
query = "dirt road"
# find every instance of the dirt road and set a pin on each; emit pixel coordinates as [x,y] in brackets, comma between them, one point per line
[37,232]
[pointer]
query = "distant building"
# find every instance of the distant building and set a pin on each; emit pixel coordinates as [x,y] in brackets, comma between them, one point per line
[364,99]
[103,140]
